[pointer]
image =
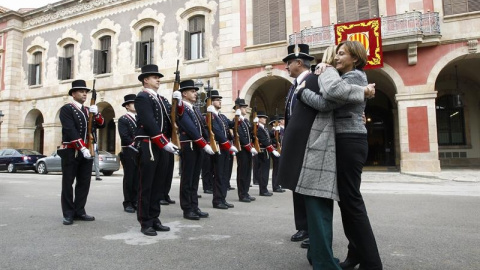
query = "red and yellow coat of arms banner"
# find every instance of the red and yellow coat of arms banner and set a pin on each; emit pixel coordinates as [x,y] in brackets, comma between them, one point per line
[367,32]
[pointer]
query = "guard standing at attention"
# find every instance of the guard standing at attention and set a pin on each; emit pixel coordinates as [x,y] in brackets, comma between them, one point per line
[154,129]
[76,159]
[263,159]
[127,126]
[192,139]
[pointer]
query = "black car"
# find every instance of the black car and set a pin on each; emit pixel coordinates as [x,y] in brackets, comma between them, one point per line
[18,159]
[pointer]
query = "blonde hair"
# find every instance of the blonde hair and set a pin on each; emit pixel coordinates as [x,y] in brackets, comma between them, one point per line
[329,55]
[356,50]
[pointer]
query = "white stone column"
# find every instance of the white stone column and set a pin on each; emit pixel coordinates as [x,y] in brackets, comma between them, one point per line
[413,159]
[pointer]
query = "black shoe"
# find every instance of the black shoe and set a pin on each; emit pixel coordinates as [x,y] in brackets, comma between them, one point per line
[191,216]
[266,194]
[149,231]
[159,227]
[98,179]
[164,202]
[279,190]
[208,191]
[299,236]
[84,217]
[199,196]
[231,188]
[245,200]
[170,201]
[200,213]
[67,221]
[251,198]
[229,205]
[305,243]
[220,206]
[129,209]
[349,263]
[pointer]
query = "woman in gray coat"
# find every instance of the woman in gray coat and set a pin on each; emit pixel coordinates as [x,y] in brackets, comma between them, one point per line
[351,151]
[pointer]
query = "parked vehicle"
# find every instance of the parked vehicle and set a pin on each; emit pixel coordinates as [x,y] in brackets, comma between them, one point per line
[18,159]
[108,163]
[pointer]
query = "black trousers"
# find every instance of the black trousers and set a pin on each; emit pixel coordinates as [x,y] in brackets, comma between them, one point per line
[191,156]
[80,169]
[207,172]
[244,172]
[153,174]
[229,170]
[352,150]
[129,159]
[167,183]
[263,171]
[220,169]
[255,169]
[276,162]
[299,212]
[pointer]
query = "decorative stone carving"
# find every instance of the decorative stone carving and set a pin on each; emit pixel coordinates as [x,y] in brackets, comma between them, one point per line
[268,70]
[472,46]
[412,54]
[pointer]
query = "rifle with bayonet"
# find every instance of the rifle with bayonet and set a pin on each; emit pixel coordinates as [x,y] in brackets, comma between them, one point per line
[91,118]
[209,119]
[277,132]
[173,112]
[236,137]
[256,144]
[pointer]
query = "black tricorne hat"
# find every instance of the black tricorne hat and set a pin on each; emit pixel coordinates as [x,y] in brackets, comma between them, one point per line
[128,99]
[298,51]
[240,102]
[187,85]
[262,114]
[78,85]
[213,94]
[149,70]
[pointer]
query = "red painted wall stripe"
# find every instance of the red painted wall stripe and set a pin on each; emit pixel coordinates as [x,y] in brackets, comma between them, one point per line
[240,77]
[418,141]
[295,16]
[391,8]
[427,6]
[325,12]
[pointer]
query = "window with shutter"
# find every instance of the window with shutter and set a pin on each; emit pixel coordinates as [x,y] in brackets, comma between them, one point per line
[195,39]
[452,7]
[66,70]
[269,23]
[34,70]
[102,57]
[144,48]
[354,10]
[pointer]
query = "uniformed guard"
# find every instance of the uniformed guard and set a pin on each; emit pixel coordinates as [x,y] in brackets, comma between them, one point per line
[127,126]
[76,158]
[266,147]
[229,126]
[193,144]
[220,163]
[154,129]
[277,125]
[244,157]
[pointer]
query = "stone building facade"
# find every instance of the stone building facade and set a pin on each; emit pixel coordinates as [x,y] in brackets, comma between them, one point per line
[425,114]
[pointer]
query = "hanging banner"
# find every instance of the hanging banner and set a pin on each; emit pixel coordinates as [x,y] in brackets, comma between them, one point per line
[367,32]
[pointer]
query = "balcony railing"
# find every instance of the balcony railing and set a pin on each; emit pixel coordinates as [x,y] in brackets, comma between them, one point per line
[411,23]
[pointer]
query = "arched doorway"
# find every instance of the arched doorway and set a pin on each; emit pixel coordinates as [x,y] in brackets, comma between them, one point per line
[106,135]
[270,96]
[34,133]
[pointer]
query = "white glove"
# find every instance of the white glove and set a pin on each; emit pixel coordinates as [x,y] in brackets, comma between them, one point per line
[85,152]
[94,109]
[211,109]
[254,152]
[260,125]
[233,149]
[241,118]
[238,112]
[208,149]
[277,128]
[255,120]
[275,153]
[178,95]
[172,148]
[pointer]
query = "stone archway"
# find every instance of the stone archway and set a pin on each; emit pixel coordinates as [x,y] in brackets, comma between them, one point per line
[33,131]
[107,135]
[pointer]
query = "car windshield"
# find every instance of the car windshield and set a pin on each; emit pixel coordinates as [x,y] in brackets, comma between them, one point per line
[28,152]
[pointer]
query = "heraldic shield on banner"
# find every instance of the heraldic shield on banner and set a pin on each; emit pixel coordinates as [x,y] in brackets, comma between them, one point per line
[367,32]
